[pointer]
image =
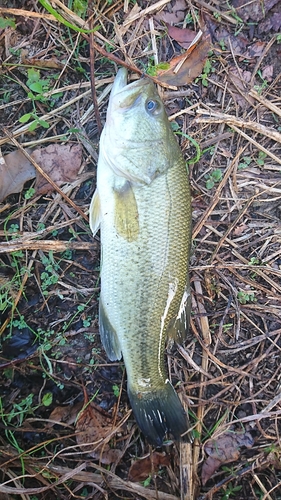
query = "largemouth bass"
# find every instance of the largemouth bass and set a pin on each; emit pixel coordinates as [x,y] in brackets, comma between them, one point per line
[142,207]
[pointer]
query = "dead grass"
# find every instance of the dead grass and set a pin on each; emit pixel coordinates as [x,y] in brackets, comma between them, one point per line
[52,364]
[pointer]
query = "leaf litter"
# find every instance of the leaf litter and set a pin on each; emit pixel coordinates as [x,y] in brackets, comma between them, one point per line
[228,371]
[15,171]
[224,449]
[185,68]
[141,469]
[61,162]
[94,429]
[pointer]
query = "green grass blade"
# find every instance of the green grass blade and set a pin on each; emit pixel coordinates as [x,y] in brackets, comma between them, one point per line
[61,19]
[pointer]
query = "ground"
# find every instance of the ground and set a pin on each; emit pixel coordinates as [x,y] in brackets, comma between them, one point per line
[58,390]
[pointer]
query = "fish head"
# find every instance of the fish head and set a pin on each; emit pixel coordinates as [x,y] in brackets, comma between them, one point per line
[138,141]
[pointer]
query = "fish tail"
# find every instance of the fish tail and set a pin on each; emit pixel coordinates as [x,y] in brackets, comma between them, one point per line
[158,412]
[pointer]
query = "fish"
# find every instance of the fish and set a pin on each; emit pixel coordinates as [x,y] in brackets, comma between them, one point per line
[142,206]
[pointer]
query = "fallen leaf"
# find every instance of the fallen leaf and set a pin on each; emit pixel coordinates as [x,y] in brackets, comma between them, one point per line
[15,170]
[276,21]
[271,22]
[43,63]
[239,44]
[66,414]
[173,13]
[60,162]
[238,86]
[254,50]
[20,345]
[273,458]
[267,72]
[141,469]
[254,10]
[131,15]
[94,426]
[191,67]
[224,449]
[240,229]
[183,36]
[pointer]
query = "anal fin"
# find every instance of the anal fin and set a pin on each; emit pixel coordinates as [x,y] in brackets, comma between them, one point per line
[108,335]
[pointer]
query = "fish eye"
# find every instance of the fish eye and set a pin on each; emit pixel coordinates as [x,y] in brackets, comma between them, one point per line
[151,106]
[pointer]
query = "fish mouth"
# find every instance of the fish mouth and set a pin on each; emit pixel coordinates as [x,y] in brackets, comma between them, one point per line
[121,82]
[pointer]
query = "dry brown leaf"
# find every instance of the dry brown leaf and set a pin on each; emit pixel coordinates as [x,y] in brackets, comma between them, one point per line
[276,21]
[183,36]
[238,44]
[224,449]
[15,170]
[255,50]
[272,22]
[95,426]
[173,13]
[254,10]
[60,162]
[141,469]
[66,414]
[267,72]
[43,63]
[239,229]
[274,458]
[192,66]
[238,81]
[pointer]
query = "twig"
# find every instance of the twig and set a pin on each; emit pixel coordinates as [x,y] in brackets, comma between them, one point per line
[265,102]
[215,117]
[156,6]
[192,363]
[218,12]
[27,13]
[46,246]
[260,273]
[54,112]
[92,67]
[261,58]
[46,176]
[211,207]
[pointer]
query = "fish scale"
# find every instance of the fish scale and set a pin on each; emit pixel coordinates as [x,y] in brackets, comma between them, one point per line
[142,207]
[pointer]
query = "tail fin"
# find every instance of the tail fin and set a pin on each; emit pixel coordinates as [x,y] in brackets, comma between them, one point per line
[158,412]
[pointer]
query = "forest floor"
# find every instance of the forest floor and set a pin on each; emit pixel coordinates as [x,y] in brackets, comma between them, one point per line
[58,391]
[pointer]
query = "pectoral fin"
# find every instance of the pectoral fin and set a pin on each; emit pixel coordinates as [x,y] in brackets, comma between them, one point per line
[126,212]
[95,213]
[108,335]
[178,327]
